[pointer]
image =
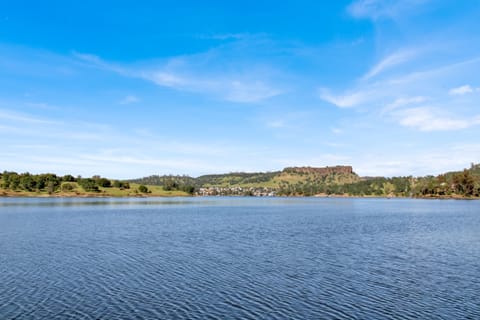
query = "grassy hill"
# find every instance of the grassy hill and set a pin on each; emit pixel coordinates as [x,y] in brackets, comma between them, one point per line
[339,180]
[50,185]
[296,181]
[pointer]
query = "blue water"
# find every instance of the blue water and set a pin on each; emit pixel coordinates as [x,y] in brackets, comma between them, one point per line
[239,258]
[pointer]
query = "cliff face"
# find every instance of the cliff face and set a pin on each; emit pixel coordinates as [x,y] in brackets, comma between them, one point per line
[324,171]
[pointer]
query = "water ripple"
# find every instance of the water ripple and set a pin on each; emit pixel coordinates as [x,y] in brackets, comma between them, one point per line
[304,259]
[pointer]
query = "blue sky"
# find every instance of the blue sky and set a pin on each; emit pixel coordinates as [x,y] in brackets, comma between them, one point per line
[124,90]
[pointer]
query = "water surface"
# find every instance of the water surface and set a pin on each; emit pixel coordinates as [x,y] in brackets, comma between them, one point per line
[239,258]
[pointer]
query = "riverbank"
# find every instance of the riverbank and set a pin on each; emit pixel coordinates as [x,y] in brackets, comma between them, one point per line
[155,191]
[445,197]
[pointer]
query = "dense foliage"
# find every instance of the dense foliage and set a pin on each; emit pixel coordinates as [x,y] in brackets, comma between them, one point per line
[142,189]
[169,182]
[236,178]
[49,182]
[289,183]
[464,183]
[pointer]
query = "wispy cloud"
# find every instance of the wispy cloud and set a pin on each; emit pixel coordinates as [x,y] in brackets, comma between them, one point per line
[402,97]
[207,73]
[431,119]
[460,91]
[24,118]
[129,99]
[77,147]
[227,36]
[233,88]
[346,100]
[390,61]
[401,102]
[367,90]
[376,9]
[432,160]
[95,61]
[337,130]
[276,124]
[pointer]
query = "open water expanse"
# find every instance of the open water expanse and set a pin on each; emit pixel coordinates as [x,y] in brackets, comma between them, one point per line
[239,258]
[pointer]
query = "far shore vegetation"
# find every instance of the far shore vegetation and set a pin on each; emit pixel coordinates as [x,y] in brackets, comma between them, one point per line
[338,181]
[42,185]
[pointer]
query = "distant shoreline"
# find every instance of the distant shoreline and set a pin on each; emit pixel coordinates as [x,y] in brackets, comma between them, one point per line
[334,182]
[13,194]
[21,194]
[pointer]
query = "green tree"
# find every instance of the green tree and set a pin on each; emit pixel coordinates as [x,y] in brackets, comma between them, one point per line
[68,186]
[88,184]
[103,182]
[68,178]
[464,183]
[388,188]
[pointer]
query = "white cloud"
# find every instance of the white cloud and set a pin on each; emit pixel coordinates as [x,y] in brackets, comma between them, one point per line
[429,119]
[460,91]
[400,102]
[389,62]
[129,99]
[389,97]
[238,91]
[225,87]
[455,70]
[376,9]
[367,8]
[41,145]
[201,74]
[337,131]
[276,124]
[88,57]
[227,36]
[166,79]
[347,100]
[434,160]
[22,117]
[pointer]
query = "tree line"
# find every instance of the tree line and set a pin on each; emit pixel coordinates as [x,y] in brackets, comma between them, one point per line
[49,182]
[464,183]
[170,182]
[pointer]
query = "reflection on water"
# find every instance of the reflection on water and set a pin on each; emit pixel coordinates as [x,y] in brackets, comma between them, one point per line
[143,201]
[239,258]
[74,202]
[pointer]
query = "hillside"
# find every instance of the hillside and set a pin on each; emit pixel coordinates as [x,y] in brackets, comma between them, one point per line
[337,180]
[455,184]
[289,181]
[292,181]
[13,184]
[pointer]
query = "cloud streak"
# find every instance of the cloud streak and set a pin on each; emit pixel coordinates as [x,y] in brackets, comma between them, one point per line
[402,97]
[389,62]
[129,99]
[210,73]
[460,91]
[233,88]
[9,115]
[346,100]
[429,119]
[378,9]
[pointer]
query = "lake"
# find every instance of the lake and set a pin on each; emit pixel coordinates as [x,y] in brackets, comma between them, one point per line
[239,258]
